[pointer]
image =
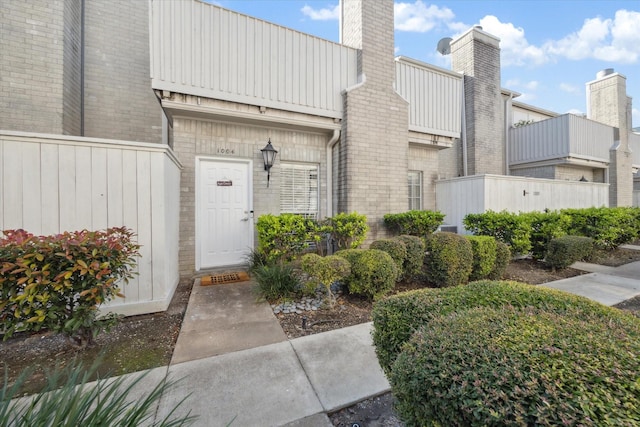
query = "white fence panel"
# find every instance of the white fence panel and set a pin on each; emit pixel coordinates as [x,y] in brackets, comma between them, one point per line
[458,197]
[563,137]
[51,184]
[204,50]
[434,95]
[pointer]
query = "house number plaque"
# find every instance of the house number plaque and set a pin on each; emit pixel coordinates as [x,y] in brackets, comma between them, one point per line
[226,183]
[226,151]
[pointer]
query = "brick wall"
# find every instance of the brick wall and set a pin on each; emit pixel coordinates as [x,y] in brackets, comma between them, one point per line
[32,43]
[119,102]
[194,138]
[373,152]
[477,54]
[425,159]
[609,104]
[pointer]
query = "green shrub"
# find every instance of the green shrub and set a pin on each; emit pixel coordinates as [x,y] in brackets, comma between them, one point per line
[503,257]
[566,250]
[521,366]
[325,270]
[397,317]
[414,223]
[415,255]
[507,227]
[348,230]
[276,281]
[484,256]
[282,237]
[72,399]
[58,282]
[396,248]
[545,226]
[373,272]
[608,227]
[448,260]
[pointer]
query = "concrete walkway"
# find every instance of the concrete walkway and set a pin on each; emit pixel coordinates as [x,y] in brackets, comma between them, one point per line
[607,285]
[236,365]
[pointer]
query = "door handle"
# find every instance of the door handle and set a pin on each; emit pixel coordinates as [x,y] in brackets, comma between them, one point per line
[245,219]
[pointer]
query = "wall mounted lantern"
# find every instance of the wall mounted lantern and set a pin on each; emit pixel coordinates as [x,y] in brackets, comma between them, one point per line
[269,157]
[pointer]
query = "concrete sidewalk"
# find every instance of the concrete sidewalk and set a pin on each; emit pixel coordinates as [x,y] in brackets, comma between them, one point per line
[607,285]
[292,383]
[276,382]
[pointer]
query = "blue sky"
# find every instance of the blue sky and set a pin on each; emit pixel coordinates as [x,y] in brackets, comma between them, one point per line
[549,49]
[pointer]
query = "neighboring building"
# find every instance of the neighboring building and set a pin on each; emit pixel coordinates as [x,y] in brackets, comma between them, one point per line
[159,127]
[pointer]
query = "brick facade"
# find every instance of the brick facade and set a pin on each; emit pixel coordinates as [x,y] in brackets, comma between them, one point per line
[374,147]
[609,104]
[41,70]
[477,55]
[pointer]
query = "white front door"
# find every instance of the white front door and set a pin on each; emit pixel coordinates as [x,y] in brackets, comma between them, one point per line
[225,225]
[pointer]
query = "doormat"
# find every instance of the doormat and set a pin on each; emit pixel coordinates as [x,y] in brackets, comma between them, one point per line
[219,279]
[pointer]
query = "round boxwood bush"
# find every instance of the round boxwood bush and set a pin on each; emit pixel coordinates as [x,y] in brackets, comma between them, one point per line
[373,272]
[448,260]
[415,255]
[484,256]
[396,248]
[564,251]
[396,318]
[503,257]
[522,367]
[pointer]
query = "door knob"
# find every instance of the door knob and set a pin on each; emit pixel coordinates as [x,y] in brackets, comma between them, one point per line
[245,219]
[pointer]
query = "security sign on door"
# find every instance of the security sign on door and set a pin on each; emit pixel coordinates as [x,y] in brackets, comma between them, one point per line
[225,232]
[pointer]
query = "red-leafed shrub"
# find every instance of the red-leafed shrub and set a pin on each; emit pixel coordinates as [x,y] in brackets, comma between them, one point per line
[58,282]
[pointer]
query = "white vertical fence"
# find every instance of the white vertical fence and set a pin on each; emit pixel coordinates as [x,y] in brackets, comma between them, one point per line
[458,197]
[50,184]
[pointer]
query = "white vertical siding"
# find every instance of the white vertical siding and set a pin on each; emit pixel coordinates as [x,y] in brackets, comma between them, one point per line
[560,137]
[51,184]
[458,197]
[434,96]
[204,50]
[634,145]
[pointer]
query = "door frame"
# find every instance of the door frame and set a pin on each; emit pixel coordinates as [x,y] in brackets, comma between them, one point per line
[199,161]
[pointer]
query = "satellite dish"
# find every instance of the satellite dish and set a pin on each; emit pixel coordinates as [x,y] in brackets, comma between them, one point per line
[444,46]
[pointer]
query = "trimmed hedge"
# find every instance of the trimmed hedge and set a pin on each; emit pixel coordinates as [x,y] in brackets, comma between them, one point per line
[396,318]
[58,282]
[608,227]
[532,231]
[415,255]
[566,250]
[396,248]
[414,223]
[448,260]
[521,366]
[373,272]
[503,258]
[484,256]
[507,227]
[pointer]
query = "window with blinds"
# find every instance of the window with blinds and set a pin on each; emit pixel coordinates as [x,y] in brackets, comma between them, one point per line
[299,189]
[415,190]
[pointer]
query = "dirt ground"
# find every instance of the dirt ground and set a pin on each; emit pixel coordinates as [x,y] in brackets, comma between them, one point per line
[142,342]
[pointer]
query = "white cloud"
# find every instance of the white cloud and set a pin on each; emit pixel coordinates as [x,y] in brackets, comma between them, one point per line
[532,85]
[324,14]
[611,40]
[569,88]
[635,117]
[420,18]
[514,47]
[526,97]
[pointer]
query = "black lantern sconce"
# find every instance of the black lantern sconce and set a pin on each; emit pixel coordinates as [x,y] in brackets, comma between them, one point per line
[269,157]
